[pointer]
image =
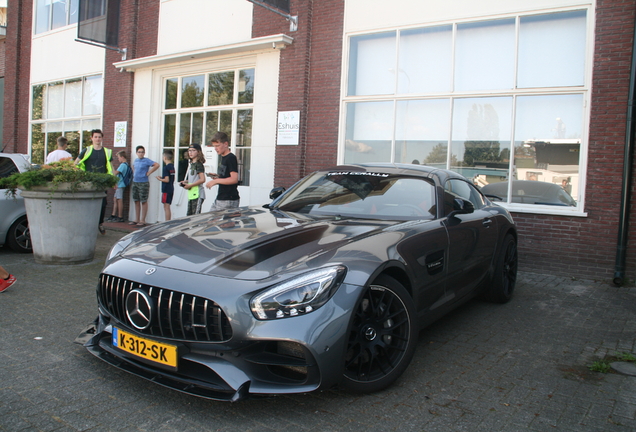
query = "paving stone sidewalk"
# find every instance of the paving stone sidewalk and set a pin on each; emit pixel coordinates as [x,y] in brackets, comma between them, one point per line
[514,367]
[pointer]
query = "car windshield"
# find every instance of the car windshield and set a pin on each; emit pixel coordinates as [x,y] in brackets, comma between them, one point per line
[361,194]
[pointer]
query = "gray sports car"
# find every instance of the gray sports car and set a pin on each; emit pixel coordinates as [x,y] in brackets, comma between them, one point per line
[327,285]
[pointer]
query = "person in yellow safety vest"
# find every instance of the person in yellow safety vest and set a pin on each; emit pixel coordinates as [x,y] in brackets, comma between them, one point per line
[97,158]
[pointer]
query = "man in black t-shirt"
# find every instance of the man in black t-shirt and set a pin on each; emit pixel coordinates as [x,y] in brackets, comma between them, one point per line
[227,176]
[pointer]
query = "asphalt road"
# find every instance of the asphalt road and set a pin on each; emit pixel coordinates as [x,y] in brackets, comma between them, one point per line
[514,367]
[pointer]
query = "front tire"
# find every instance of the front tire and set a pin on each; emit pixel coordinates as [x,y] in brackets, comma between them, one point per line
[19,237]
[382,337]
[505,275]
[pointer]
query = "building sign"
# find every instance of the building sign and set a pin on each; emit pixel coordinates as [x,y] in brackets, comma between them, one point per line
[121,130]
[288,127]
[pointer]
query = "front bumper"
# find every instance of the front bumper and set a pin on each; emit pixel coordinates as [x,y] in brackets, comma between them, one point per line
[290,355]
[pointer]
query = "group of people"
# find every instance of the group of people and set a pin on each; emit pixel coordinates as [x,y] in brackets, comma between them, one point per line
[97,158]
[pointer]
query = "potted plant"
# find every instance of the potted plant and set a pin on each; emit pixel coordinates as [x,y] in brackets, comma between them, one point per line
[63,204]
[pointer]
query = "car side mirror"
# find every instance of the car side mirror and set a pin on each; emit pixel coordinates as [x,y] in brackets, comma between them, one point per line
[276,192]
[462,206]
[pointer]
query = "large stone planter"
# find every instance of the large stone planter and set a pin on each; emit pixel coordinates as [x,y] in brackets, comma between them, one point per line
[63,224]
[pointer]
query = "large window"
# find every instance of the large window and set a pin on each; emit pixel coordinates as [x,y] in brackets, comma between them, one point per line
[496,100]
[196,107]
[71,108]
[52,14]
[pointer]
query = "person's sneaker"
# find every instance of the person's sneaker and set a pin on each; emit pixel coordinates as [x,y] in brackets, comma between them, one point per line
[101,229]
[111,219]
[120,220]
[6,283]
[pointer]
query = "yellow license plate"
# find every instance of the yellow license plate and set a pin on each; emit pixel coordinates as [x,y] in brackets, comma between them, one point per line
[145,348]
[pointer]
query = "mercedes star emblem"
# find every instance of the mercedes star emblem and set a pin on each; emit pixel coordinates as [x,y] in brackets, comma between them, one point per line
[139,309]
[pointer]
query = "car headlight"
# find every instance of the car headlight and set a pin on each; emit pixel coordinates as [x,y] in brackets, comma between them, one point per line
[298,296]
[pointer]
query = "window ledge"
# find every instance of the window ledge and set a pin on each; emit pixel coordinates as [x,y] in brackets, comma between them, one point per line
[543,210]
[279,42]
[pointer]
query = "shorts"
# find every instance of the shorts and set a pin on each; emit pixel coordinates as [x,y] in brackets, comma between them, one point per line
[140,191]
[119,193]
[224,204]
[194,206]
[166,197]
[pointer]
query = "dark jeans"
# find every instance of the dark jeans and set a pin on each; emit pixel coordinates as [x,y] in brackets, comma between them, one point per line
[103,212]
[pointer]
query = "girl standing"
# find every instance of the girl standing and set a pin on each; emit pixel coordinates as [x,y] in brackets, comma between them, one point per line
[194,179]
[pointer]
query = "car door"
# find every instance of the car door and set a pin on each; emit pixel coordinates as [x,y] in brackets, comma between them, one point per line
[10,208]
[472,237]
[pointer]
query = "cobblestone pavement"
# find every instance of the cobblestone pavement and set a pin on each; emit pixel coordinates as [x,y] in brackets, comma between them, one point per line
[514,367]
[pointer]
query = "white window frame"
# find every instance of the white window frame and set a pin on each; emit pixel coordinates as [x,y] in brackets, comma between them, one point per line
[585,90]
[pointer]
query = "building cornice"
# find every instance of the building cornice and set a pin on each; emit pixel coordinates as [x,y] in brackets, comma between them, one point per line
[278,42]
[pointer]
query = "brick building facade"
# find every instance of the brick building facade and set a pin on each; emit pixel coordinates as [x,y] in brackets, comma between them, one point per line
[310,77]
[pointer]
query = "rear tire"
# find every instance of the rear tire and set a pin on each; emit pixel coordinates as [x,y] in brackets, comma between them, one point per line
[382,337]
[19,237]
[505,277]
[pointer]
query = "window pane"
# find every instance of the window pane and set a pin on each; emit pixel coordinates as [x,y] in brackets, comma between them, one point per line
[42,16]
[419,49]
[552,50]
[39,100]
[197,128]
[53,131]
[184,129]
[74,12]
[182,163]
[246,86]
[481,134]
[422,131]
[55,101]
[171,93]
[244,128]
[169,130]
[372,65]
[368,133]
[225,123]
[548,134]
[73,98]
[72,132]
[192,91]
[93,95]
[87,127]
[59,14]
[221,88]
[37,144]
[244,165]
[211,125]
[484,56]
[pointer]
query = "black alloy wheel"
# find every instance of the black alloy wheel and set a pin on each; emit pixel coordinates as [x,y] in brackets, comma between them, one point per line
[505,274]
[19,237]
[382,337]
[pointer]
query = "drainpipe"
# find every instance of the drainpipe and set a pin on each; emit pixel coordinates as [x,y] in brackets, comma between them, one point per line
[623,222]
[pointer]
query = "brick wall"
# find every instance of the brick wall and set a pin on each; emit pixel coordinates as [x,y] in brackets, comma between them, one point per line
[138,34]
[586,247]
[17,76]
[309,81]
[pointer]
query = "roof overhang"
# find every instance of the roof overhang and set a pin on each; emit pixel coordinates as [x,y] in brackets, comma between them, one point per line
[278,42]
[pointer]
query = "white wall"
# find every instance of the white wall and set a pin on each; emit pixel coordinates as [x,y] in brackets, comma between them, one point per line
[186,25]
[367,15]
[56,55]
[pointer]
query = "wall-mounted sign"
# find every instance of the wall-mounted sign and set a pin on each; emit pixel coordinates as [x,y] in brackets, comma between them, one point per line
[121,130]
[288,127]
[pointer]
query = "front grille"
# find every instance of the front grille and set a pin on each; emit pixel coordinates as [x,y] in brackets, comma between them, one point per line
[175,315]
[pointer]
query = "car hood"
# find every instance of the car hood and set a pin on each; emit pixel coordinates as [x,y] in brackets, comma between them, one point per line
[247,243]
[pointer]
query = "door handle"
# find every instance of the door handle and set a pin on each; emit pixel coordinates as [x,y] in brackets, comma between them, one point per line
[486,222]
